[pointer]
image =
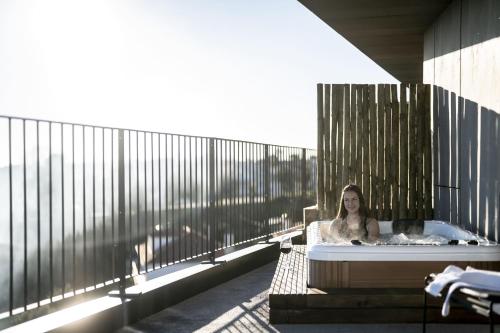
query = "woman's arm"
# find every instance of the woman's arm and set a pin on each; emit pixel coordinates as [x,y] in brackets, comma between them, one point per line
[373,229]
[334,230]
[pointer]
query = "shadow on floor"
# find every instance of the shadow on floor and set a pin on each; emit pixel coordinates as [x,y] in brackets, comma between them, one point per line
[241,305]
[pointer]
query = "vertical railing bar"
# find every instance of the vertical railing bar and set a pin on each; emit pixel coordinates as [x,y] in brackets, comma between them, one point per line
[74,213]
[203,191]
[244,188]
[138,205]
[25,221]
[272,166]
[63,259]
[293,175]
[255,220]
[255,188]
[245,175]
[276,188]
[84,214]
[179,243]
[238,196]
[130,246]
[214,197]
[291,194]
[166,199]
[250,192]
[11,226]
[211,199]
[103,261]
[222,220]
[267,170]
[228,192]
[51,257]
[242,176]
[196,194]
[152,204]
[185,196]
[93,208]
[218,193]
[121,249]
[233,194]
[287,191]
[263,150]
[145,206]
[173,195]
[226,183]
[190,198]
[11,243]
[38,249]
[159,201]
[113,201]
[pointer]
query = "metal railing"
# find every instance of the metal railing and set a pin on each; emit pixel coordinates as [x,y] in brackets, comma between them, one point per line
[85,206]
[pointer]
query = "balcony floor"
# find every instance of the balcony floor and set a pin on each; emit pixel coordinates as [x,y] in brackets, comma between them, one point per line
[241,305]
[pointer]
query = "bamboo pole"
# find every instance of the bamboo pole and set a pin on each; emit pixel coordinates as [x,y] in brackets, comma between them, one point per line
[395,152]
[366,142]
[412,160]
[352,163]
[373,144]
[380,150]
[340,139]
[347,134]
[419,153]
[320,165]
[327,131]
[333,147]
[427,154]
[359,132]
[403,139]
[388,153]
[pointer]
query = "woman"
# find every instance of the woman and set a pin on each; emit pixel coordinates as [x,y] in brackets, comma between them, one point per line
[352,220]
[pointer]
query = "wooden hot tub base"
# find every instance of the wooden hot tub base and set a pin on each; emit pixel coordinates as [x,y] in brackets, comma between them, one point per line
[291,301]
[381,274]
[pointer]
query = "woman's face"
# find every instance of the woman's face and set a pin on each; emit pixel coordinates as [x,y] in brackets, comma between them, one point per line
[351,202]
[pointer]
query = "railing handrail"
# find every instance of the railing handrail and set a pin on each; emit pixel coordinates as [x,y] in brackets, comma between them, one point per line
[147,131]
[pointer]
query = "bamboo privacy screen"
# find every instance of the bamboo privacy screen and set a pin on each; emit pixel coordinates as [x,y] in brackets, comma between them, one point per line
[369,137]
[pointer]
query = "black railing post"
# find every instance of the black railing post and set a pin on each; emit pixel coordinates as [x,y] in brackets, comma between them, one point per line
[303,177]
[120,242]
[212,232]
[266,190]
[211,199]
[121,214]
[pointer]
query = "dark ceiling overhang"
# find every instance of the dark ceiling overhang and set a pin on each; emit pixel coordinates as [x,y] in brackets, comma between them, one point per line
[390,32]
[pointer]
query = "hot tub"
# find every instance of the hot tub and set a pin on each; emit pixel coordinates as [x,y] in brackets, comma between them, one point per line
[397,260]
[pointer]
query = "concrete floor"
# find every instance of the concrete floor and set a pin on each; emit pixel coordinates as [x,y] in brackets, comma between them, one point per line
[241,305]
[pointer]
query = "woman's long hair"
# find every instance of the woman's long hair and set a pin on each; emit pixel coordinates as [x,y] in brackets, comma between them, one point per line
[363,210]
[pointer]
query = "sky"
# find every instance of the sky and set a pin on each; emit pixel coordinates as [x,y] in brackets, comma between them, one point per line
[236,69]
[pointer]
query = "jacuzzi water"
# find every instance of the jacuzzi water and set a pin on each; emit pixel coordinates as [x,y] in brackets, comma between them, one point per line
[432,243]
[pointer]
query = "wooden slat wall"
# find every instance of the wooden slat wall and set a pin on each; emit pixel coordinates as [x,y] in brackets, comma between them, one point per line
[379,137]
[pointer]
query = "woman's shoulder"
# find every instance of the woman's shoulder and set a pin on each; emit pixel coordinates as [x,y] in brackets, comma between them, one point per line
[335,222]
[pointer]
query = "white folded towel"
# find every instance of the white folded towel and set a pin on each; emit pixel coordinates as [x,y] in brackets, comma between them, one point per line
[450,274]
[470,278]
